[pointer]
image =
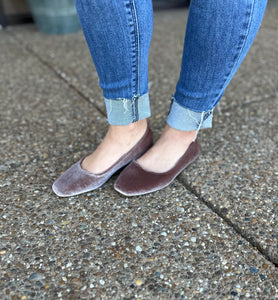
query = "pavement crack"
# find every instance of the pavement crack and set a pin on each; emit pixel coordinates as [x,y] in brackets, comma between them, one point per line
[217,210]
[251,101]
[58,73]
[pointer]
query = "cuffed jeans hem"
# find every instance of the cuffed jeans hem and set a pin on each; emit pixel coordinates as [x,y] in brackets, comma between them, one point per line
[182,118]
[123,111]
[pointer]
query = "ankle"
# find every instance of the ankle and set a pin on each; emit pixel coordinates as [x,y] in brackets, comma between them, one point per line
[181,135]
[138,125]
[133,128]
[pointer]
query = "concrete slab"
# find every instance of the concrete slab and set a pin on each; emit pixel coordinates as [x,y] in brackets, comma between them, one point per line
[68,55]
[105,246]
[237,172]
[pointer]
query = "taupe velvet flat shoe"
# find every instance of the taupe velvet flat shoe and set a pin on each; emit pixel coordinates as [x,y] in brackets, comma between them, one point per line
[135,181]
[76,180]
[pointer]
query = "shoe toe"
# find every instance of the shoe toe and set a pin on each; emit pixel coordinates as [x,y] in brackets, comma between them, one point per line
[126,182]
[71,182]
[135,181]
[62,187]
[57,191]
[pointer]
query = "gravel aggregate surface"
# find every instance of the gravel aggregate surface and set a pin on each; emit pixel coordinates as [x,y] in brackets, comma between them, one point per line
[105,246]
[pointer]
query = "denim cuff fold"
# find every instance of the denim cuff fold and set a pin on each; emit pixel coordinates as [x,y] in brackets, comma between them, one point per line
[182,118]
[123,111]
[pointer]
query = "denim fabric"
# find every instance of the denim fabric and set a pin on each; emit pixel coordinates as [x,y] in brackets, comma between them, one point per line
[185,119]
[118,34]
[218,36]
[125,111]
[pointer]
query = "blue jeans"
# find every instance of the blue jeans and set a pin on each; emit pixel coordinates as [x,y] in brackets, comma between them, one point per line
[218,36]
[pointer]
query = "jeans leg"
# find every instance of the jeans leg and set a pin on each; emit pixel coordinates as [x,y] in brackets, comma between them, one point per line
[118,34]
[218,36]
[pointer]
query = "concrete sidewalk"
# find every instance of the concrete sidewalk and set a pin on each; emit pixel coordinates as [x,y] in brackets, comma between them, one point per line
[212,234]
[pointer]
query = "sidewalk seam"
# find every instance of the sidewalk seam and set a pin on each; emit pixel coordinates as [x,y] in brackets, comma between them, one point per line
[217,211]
[58,73]
[250,102]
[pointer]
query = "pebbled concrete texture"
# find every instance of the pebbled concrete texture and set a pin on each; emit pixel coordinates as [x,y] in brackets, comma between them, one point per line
[68,56]
[212,234]
[105,246]
[237,172]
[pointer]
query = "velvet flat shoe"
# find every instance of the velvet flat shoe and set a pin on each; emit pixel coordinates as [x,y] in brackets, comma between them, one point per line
[76,180]
[135,181]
